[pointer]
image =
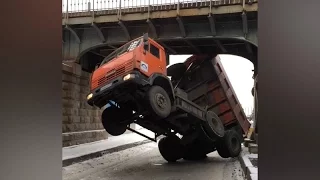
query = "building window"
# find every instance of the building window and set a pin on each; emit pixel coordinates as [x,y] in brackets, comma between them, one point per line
[154,51]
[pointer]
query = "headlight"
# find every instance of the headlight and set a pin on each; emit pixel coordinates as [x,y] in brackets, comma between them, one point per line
[128,76]
[89,96]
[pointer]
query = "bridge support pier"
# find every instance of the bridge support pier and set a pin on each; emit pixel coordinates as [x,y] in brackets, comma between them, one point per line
[212,24]
[74,33]
[81,123]
[99,33]
[181,26]
[125,30]
[153,28]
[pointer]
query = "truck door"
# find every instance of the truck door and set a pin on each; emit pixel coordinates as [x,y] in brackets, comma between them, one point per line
[153,62]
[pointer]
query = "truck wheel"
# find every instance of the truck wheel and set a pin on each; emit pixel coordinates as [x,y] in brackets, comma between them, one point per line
[194,151]
[213,126]
[230,146]
[222,150]
[159,101]
[113,120]
[170,148]
[194,155]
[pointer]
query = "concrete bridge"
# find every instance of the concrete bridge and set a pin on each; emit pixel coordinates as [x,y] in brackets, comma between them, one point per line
[94,28]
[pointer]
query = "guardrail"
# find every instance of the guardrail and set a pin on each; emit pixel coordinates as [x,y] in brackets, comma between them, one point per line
[129,6]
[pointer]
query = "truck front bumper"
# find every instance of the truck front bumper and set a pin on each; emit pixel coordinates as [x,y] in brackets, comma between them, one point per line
[116,88]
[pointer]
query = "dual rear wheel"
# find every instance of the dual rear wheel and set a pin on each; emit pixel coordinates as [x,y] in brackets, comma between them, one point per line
[230,144]
[171,149]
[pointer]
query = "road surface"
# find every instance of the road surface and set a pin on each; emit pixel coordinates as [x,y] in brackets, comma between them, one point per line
[144,162]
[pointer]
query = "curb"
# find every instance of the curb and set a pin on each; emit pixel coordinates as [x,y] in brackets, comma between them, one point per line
[249,170]
[68,162]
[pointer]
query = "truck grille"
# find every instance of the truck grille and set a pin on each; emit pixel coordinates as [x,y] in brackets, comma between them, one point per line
[121,71]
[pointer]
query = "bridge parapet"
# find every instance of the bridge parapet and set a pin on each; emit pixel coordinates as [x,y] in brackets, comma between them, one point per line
[83,8]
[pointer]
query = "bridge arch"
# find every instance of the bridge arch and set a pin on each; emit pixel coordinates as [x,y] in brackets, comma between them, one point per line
[238,46]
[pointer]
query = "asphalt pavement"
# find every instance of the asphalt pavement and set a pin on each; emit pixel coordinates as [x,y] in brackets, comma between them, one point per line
[144,162]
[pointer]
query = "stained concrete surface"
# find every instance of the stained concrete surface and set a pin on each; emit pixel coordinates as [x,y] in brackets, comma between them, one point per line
[144,162]
[111,142]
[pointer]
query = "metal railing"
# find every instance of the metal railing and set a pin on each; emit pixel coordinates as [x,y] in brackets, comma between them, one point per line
[127,6]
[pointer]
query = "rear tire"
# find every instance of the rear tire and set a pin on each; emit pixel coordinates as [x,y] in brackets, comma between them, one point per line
[196,150]
[113,120]
[170,148]
[194,155]
[222,150]
[230,146]
[159,102]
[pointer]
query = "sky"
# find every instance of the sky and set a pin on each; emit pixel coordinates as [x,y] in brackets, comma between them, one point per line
[239,71]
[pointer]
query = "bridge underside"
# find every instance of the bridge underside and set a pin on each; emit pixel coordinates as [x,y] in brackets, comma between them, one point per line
[234,33]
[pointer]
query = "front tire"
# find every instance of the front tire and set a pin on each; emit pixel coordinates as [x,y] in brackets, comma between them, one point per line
[159,102]
[114,120]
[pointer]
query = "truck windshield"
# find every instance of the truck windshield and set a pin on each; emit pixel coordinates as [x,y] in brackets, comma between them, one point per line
[121,50]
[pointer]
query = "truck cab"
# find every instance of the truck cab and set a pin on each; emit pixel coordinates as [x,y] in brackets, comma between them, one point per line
[129,66]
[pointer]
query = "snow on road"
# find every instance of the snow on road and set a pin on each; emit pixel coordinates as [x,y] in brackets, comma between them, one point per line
[144,162]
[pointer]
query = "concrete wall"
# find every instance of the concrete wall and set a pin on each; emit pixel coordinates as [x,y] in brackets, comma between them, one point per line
[81,123]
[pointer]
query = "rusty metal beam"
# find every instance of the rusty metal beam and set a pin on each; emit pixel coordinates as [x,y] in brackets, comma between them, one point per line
[153,28]
[74,33]
[212,25]
[113,47]
[197,50]
[106,50]
[168,48]
[244,23]
[97,54]
[63,38]
[125,30]
[99,32]
[181,26]
[206,45]
[221,47]
[249,48]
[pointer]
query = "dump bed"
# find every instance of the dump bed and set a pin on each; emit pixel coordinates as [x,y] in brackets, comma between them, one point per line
[207,85]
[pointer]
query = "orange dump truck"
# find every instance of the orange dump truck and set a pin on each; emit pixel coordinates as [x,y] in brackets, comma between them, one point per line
[132,85]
